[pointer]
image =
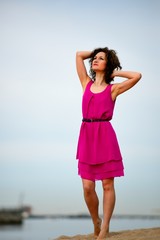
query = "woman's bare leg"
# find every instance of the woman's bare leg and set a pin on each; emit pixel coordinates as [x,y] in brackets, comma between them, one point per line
[108,206]
[92,202]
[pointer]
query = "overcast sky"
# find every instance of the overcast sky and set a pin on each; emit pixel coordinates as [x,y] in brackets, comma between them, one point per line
[40,101]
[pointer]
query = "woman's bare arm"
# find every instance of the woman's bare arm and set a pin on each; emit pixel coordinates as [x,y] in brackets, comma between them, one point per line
[132,79]
[81,69]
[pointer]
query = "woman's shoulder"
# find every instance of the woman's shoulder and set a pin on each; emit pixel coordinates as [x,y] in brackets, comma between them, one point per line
[88,83]
[113,89]
[113,86]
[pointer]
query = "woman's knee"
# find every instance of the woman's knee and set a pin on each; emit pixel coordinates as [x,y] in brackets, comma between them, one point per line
[108,184]
[88,186]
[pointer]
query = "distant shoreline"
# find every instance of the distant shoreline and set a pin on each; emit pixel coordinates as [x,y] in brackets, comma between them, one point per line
[87,216]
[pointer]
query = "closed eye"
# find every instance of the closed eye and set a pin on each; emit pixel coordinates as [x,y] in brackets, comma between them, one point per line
[101,58]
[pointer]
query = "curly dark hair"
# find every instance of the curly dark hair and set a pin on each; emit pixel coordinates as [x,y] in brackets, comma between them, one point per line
[112,63]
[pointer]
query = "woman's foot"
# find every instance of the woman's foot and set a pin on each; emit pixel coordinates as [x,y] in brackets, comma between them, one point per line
[104,233]
[97,227]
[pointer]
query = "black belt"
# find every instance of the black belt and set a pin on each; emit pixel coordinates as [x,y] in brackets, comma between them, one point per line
[94,120]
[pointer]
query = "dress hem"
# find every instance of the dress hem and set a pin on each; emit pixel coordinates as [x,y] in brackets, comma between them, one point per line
[100,178]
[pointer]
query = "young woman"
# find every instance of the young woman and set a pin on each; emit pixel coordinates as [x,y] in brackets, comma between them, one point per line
[98,152]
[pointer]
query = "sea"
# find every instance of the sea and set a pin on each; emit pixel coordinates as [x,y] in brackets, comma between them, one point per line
[52,228]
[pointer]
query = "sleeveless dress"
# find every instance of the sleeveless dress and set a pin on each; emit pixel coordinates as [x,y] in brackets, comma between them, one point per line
[98,151]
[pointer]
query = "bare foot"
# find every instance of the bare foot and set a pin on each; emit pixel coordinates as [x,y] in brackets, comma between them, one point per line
[97,227]
[104,233]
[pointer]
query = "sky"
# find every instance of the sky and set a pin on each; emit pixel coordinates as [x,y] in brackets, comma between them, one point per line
[40,101]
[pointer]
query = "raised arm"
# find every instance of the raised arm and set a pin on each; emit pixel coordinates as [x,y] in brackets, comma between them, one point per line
[119,88]
[81,69]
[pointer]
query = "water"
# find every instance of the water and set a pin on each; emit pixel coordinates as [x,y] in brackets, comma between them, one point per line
[49,229]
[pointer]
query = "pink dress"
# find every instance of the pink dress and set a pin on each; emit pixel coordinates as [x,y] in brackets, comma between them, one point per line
[98,152]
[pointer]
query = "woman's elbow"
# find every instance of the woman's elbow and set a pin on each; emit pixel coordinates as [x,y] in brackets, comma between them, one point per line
[78,53]
[139,76]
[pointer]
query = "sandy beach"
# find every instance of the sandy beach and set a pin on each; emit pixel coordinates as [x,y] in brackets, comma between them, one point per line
[139,234]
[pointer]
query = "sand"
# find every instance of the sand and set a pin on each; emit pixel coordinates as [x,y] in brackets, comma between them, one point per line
[139,234]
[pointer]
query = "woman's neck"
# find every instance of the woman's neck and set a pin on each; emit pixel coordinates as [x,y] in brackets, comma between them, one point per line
[99,79]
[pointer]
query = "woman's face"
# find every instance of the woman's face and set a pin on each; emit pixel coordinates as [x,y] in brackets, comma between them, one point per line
[99,62]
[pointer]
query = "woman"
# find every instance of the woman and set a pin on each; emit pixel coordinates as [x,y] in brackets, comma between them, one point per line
[98,152]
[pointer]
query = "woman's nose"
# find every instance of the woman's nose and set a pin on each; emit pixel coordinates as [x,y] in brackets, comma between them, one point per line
[95,60]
